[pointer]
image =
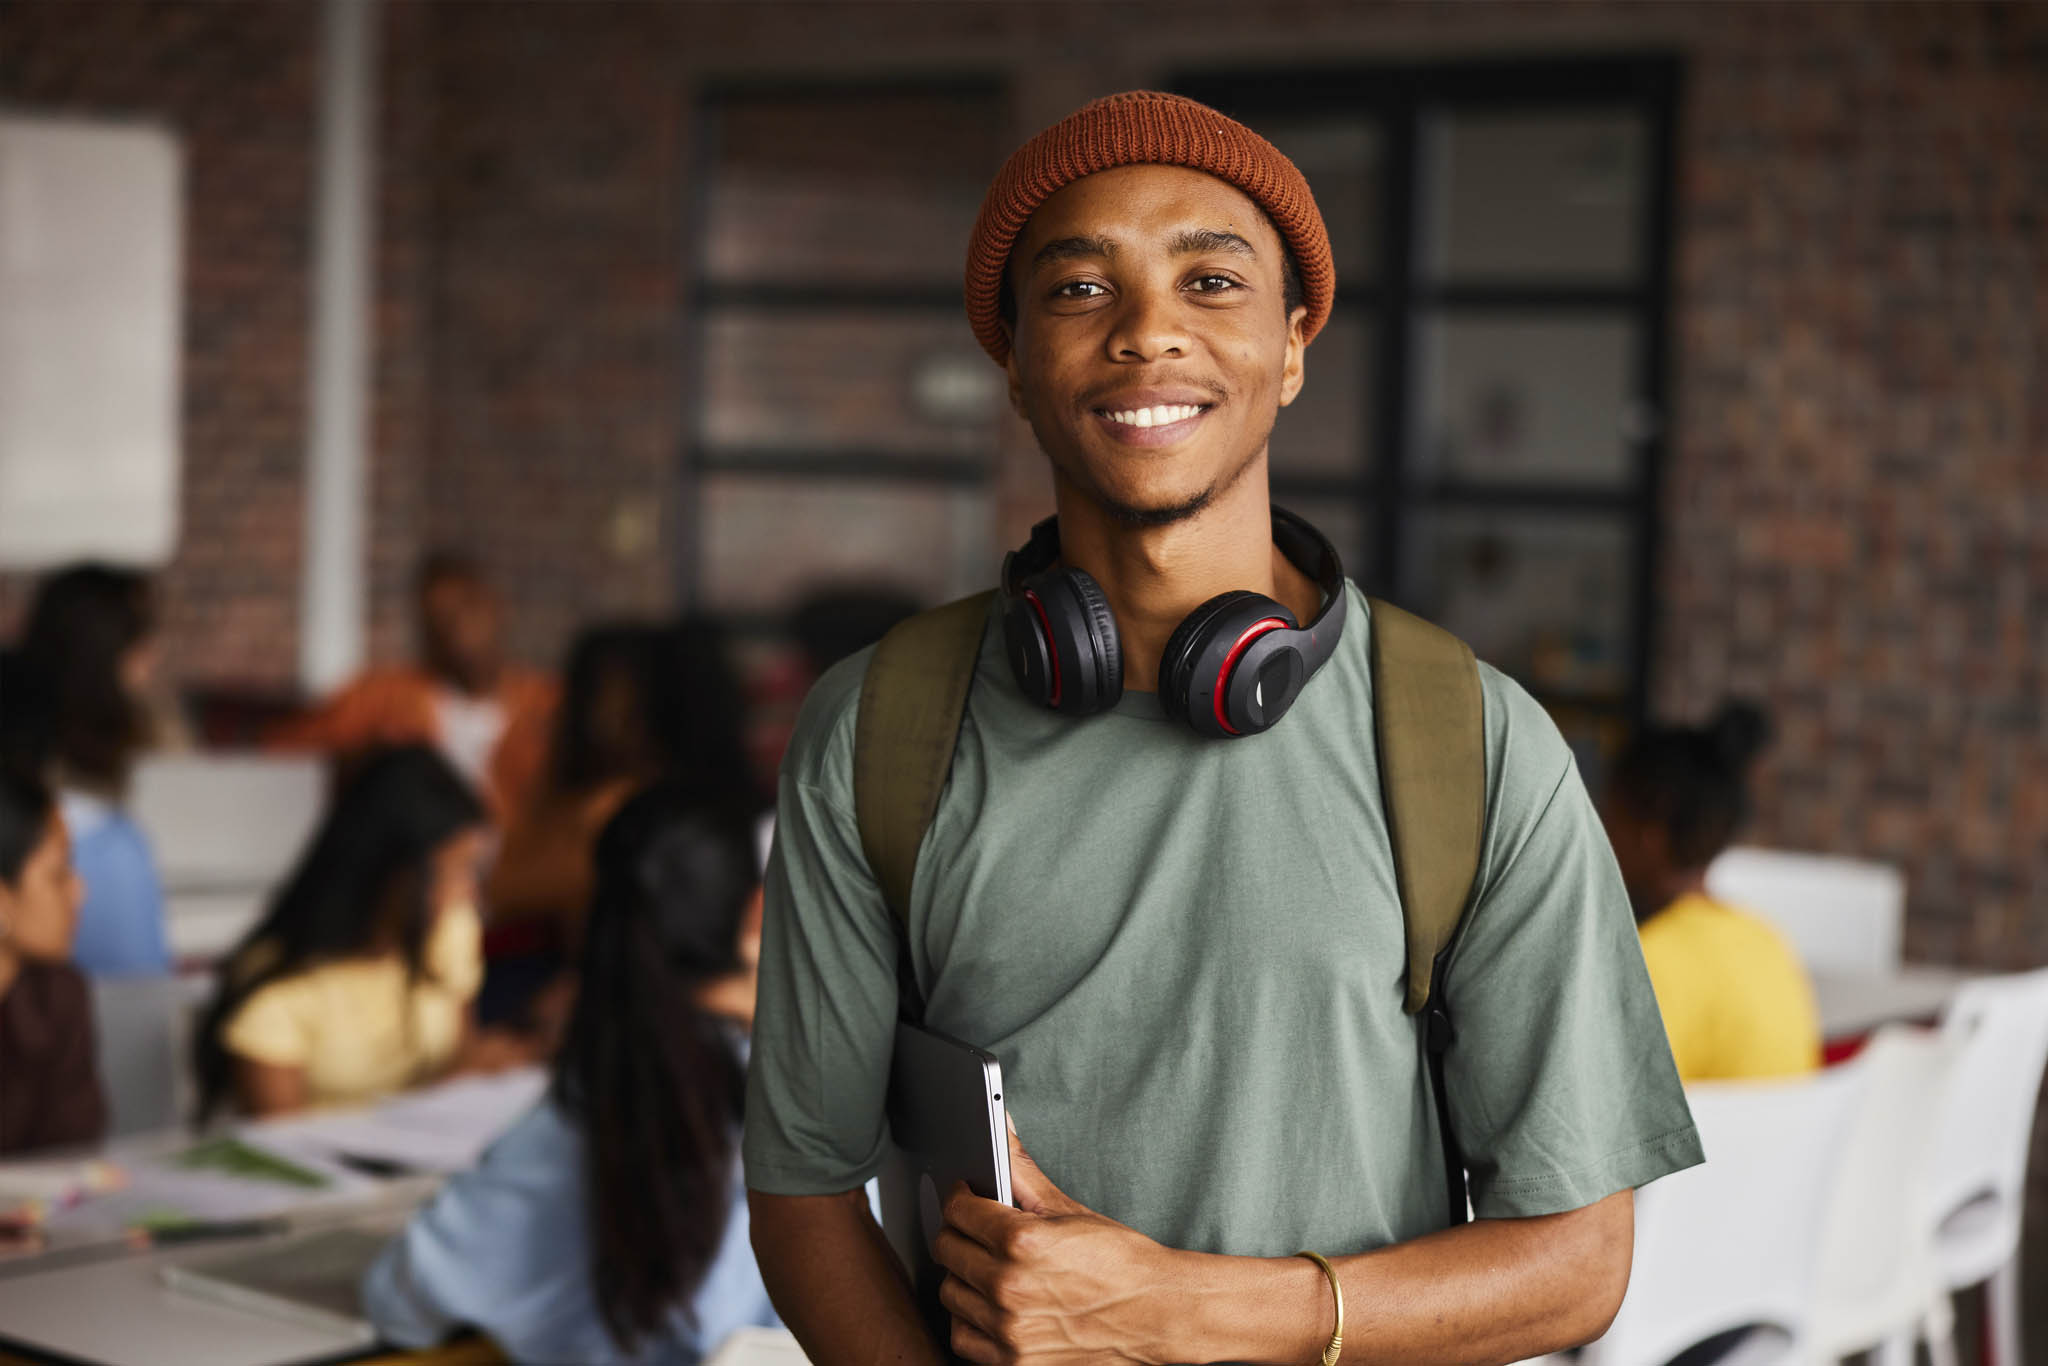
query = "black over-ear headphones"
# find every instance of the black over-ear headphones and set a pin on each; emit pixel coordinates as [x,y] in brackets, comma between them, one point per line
[1232,668]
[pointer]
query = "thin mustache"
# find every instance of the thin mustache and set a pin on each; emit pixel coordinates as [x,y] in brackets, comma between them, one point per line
[1094,398]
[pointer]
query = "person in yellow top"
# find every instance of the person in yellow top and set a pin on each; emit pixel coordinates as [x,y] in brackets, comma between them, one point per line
[359,979]
[1737,1003]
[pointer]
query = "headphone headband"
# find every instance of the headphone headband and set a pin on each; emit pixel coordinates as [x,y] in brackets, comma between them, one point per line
[1233,667]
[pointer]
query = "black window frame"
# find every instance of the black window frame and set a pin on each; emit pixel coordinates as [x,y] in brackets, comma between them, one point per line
[707,297]
[1396,98]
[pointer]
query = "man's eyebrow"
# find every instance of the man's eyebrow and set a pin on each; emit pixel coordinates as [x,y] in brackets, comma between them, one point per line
[1196,241]
[1073,248]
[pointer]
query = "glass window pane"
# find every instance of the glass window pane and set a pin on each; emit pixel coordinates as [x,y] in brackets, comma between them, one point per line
[849,381]
[766,541]
[1341,158]
[1543,597]
[1510,399]
[861,188]
[1536,196]
[1327,430]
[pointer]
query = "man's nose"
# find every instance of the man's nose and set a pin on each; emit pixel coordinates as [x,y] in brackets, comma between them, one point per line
[1150,325]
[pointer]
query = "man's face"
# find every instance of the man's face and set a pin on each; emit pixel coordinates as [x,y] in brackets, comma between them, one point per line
[459,631]
[1152,351]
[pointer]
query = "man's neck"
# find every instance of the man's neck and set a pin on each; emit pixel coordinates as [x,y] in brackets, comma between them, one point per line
[475,689]
[10,968]
[1154,577]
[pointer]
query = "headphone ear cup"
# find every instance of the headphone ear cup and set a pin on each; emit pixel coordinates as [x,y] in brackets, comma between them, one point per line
[1108,645]
[1184,646]
[1062,642]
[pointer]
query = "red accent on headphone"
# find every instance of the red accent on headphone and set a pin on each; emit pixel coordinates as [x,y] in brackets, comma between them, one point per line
[1251,633]
[1052,647]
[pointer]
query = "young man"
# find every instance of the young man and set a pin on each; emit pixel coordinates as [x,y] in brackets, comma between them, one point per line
[488,717]
[1187,951]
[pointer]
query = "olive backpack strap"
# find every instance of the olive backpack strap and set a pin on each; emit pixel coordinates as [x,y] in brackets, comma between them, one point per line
[911,703]
[1430,732]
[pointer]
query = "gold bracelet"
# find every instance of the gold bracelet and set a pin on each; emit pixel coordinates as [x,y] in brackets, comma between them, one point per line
[1336,1347]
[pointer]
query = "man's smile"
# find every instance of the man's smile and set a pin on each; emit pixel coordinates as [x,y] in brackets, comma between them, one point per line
[1141,417]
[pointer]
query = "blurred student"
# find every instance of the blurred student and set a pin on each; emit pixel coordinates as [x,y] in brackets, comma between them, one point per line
[603,749]
[49,1079]
[358,981]
[639,704]
[488,717]
[609,1224]
[75,708]
[1736,1001]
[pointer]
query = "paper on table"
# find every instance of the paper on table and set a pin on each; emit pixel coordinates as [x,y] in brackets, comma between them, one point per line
[161,1190]
[442,1129]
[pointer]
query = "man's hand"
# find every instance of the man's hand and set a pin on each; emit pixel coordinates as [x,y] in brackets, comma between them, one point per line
[1051,1280]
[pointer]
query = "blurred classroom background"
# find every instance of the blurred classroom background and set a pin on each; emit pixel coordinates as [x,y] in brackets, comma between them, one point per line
[1682,352]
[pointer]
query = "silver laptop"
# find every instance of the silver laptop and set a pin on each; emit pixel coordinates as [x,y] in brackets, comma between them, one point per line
[314,1281]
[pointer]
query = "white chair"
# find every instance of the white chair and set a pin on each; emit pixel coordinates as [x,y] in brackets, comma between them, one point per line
[1876,1283]
[1844,916]
[138,1042]
[2000,1029]
[225,829]
[1734,1242]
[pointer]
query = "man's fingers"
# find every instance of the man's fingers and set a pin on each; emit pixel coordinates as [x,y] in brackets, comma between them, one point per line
[965,1258]
[968,1305]
[985,1221]
[971,1344]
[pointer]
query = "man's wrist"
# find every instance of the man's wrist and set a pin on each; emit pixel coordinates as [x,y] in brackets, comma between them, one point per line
[1275,1310]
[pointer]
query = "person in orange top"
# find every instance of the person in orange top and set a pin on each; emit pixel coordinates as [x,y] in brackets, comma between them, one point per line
[1737,1003]
[488,717]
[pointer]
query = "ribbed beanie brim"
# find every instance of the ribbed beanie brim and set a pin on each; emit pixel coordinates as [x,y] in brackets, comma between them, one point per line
[1142,128]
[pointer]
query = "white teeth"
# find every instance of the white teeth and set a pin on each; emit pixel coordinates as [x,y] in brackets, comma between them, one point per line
[1157,416]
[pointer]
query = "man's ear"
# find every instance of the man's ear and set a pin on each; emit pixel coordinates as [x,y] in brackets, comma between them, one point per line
[1297,346]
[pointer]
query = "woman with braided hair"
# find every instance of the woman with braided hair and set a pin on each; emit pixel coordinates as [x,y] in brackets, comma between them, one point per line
[1735,1000]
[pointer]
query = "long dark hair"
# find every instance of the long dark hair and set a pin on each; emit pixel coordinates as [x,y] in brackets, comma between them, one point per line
[699,717]
[365,873]
[65,699]
[691,710]
[654,1082]
[602,656]
[1694,780]
[25,807]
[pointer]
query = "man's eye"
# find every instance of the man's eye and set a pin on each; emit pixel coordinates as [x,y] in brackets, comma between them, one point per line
[1078,289]
[1214,284]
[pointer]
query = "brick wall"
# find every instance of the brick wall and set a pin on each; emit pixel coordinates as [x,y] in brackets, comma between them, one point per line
[1857,517]
[234,80]
[1857,511]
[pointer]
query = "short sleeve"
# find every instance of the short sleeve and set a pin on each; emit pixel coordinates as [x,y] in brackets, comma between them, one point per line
[270,1028]
[1561,1085]
[825,1020]
[455,952]
[121,929]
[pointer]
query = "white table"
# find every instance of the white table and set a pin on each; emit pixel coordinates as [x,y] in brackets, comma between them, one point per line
[117,1312]
[1916,993]
[91,1296]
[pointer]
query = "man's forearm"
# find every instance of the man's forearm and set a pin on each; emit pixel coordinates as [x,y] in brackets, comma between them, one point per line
[835,1281]
[1498,1290]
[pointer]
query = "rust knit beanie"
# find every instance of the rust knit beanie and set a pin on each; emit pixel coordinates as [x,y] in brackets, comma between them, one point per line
[1142,128]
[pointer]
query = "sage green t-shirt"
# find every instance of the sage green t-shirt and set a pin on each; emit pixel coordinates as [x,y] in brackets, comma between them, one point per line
[1188,955]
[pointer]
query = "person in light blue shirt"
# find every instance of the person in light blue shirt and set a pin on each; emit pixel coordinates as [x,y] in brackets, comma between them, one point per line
[74,710]
[609,1225]
[121,929]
